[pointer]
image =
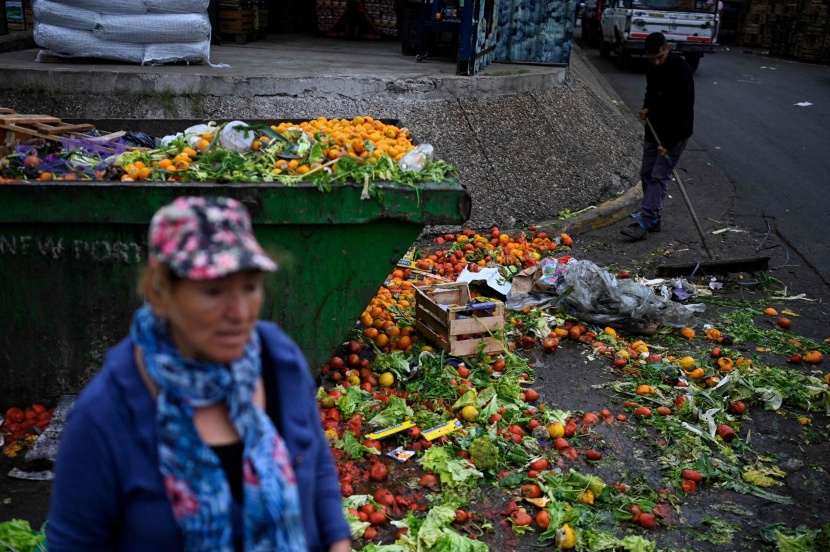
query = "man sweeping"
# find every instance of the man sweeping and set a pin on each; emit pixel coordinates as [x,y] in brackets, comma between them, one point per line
[669,106]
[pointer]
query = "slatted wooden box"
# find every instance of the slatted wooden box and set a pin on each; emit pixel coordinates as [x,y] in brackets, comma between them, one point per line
[236,20]
[444,313]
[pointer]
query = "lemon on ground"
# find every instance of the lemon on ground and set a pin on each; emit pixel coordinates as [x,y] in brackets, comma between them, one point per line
[687,363]
[565,537]
[556,430]
[386,379]
[469,413]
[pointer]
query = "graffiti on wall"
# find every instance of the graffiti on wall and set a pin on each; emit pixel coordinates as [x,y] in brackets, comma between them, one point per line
[529,31]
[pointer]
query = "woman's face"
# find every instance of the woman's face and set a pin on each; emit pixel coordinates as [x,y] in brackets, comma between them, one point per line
[212,320]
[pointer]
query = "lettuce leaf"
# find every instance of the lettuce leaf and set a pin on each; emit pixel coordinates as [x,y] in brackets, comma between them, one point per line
[452,541]
[453,472]
[18,535]
[635,543]
[353,400]
[353,447]
[394,413]
[432,530]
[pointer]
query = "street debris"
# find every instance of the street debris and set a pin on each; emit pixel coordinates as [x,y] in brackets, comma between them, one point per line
[447,452]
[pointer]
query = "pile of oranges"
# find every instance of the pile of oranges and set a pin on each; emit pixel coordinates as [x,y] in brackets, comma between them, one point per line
[342,136]
[365,138]
[386,327]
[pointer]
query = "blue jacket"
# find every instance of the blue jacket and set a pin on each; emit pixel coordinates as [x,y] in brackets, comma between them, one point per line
[108,492]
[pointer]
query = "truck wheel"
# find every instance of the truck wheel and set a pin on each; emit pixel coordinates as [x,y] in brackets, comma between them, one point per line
[693,59]
[604,49]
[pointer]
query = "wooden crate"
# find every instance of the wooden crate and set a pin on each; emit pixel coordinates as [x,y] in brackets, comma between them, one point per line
[444,313]
[234,21]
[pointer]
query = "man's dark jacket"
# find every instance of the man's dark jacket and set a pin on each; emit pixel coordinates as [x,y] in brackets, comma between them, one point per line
[670,99]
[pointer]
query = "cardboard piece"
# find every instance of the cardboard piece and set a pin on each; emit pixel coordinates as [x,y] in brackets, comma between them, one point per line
[524,281]
[490,276]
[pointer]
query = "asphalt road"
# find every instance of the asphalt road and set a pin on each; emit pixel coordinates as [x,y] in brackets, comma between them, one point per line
[776,153]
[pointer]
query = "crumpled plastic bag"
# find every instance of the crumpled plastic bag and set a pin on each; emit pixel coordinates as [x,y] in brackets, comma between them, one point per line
[600,298]
[235,139]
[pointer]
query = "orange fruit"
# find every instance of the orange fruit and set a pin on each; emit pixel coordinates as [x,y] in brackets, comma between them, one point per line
[403,342]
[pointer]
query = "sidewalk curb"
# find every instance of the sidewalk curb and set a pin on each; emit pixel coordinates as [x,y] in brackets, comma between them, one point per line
[605,214]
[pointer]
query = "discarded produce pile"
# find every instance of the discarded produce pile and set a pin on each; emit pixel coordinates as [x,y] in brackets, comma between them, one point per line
[19,428]
[442,453]
[323,152]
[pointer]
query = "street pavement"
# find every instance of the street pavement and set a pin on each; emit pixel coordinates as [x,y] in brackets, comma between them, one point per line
[771,151]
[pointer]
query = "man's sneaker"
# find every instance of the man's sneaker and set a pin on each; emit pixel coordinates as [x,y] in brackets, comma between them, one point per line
[655,224]
[635,231]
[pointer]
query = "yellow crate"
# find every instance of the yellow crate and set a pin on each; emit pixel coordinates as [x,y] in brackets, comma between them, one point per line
[443,313]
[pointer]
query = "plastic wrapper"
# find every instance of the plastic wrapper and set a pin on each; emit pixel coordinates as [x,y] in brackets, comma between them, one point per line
[64,15]
[191,52]
[64,42]
[138,32]
[539,299]
[553,273]
[598,297]
[136,7]
[179,6]
[140,139]
[124,7]
[236,140]
[154,29]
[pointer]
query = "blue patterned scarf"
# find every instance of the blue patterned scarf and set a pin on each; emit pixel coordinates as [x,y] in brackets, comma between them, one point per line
[193,477]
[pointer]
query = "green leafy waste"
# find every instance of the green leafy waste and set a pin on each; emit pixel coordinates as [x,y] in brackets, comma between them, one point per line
[217,164]
[17,535]
[800,539]
[453,472]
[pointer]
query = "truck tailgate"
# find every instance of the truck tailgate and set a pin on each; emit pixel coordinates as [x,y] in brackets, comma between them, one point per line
[678,27]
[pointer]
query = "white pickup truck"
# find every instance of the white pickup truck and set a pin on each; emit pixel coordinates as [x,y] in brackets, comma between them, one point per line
[690,26]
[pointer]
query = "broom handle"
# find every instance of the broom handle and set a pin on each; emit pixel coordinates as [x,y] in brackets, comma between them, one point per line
[683,193]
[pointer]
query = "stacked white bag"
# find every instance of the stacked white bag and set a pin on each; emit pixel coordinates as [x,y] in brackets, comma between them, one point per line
[140,31]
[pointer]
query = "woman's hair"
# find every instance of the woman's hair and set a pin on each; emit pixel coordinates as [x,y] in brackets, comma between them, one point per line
[156,277]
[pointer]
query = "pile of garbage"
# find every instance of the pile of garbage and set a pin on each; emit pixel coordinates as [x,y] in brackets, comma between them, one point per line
[322,152]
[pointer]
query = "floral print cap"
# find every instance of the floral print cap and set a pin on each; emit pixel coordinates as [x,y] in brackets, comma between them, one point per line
[204,238]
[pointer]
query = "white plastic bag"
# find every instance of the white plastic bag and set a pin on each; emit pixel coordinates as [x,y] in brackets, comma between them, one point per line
[236,140]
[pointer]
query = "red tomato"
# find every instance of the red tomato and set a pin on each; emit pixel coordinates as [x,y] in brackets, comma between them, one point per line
[540,464]
[543,519]
[15,414]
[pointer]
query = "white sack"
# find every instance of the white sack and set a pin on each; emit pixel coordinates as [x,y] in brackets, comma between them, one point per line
[155,28]
[64,15]
[75,43]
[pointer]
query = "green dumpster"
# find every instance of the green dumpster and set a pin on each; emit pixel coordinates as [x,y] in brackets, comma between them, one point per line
[70,255]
